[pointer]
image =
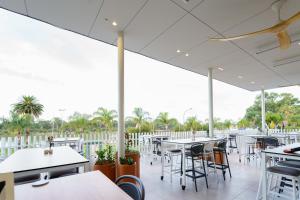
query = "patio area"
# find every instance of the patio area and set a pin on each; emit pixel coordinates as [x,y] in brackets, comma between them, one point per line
[252,45]
[242,186]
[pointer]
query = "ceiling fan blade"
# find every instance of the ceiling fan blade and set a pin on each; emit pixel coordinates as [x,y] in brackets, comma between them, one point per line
[268,30]
[284,40]
[293,19]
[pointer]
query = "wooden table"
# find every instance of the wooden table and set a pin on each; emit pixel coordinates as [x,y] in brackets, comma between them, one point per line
[33,161]
[276,153]
[183,143]
[88,186]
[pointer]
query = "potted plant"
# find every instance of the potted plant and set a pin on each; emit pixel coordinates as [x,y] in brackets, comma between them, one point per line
[132,153]
[106,162]
[126,166]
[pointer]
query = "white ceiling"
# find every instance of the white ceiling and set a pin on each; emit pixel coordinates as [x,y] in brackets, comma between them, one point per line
[157,28]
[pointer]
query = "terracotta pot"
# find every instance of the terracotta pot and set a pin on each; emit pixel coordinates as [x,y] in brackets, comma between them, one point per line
[108,169]
[136,158]
[126,170]
[220,158]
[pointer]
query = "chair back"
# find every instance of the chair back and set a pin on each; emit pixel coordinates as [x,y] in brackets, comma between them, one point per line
[135,191]
[221,144]
[270,142]
[197,149]
[209,147]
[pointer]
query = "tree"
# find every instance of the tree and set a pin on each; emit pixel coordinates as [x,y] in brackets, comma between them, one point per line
[139,118]
[281,107]
[192,124]
[28,107]
[164,120]
[105,117]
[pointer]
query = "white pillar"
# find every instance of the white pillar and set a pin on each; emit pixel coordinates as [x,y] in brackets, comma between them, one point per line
[263,112]
[210,103]
[121,123]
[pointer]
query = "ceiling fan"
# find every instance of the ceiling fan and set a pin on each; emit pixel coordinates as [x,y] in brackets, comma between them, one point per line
[278,29]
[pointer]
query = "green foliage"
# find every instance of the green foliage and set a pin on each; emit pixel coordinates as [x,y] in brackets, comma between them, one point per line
[126,161]
[164,121]
[279,108]
[105,118]
[28,106]
[105,155]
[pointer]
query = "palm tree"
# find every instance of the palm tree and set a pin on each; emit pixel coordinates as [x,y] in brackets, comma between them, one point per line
[163,119]
[105,117]
[192,124]
[28,107]
[140,116]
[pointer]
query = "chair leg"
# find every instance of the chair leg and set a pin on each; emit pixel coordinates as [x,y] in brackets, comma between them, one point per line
[228,164]
[205,173]
[294,189]
[171,167]
[194,174]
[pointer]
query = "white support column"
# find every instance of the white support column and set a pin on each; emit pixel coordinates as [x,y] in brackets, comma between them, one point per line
[210,103]
[263,112]
[121,123]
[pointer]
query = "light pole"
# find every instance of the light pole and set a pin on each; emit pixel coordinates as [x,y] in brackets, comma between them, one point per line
[62,110]
[183,116]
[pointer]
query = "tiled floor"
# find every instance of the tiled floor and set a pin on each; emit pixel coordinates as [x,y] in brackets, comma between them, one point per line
[242,186]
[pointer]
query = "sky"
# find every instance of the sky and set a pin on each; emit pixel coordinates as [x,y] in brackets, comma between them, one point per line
[69,72]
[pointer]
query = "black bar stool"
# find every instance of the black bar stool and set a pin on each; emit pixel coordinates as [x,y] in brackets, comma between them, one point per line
[221,162]
[196,153]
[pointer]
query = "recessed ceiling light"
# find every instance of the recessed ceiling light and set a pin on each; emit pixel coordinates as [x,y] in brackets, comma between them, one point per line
[299,43]
[240,77]
[220,68]
[114,23]
[178,51]
[186,54]
[252,82]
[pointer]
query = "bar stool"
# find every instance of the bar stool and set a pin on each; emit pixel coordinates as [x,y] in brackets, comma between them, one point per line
[196,153]
[288,173]
[221,162]
[232,143]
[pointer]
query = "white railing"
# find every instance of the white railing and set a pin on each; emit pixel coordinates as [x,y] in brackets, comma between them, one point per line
[92,141]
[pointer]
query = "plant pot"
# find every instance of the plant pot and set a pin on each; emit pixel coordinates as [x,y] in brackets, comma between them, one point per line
[220,158]
[108,169]
[124,169]
[136,158]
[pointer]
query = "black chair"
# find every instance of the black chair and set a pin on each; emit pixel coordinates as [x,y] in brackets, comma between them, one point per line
[27,179]
[220,153]
[196,153]
[270,142]
[135,191]
[232,143]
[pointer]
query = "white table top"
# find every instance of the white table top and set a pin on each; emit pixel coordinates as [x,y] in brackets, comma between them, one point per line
[191,141]
[88,186]
[279,150]
[34,158]
[71,139]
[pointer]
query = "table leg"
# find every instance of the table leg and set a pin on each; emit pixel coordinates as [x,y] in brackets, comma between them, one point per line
[183,177]
[162,160]
[264,176]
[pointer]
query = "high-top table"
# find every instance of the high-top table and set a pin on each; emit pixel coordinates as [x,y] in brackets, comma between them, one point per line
[183,143]
[277,153]
[33,161]
[89,186]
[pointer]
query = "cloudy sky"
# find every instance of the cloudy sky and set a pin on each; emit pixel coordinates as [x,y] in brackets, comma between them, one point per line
[71,72]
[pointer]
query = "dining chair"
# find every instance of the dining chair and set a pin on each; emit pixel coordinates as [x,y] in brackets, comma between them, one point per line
[135,191]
